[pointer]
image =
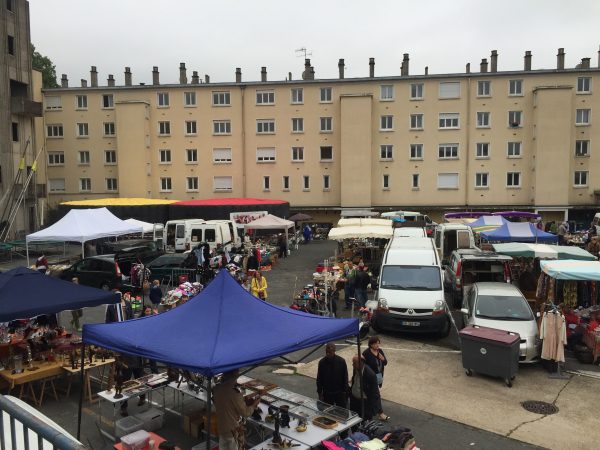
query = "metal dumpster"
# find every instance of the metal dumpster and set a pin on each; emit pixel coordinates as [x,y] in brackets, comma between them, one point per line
[489,351]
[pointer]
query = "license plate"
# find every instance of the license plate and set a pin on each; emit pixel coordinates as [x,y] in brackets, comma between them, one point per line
[411,324]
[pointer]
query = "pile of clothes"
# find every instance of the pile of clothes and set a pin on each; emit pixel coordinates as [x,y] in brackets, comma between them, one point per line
[185,290]
[375,435]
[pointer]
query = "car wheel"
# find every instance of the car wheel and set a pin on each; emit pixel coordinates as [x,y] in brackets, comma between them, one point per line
[105,286]
[445,330]
[376,327]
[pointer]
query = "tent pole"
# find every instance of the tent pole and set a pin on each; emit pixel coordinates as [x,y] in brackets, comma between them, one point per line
[360,375]
[26,251]
[82,249]
[209,411]
[81,393]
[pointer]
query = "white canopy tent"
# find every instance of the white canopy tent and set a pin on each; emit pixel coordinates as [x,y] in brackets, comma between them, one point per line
[147,227]
[357,232]
[82,225]
[361,222]
[271,222]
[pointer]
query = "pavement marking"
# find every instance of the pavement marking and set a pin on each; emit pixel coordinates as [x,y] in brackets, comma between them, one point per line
[406,349]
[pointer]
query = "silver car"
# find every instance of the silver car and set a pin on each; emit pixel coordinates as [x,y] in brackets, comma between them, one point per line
[502,306]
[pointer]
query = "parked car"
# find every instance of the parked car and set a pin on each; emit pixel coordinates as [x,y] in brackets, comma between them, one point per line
[97,271]
[130,251]
[168,265]
[468,266]
[503,306]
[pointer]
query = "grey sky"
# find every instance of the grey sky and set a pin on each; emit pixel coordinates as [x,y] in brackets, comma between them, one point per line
[215,37]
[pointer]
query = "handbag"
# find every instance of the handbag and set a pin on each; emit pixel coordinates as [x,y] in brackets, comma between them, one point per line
[261,295]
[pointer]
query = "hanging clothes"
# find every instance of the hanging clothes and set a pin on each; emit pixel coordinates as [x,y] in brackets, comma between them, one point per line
[540,292]
[550,289]
[553,331]
[570,294]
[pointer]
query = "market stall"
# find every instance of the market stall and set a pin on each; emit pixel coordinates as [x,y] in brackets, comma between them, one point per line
[519,232]
[271,222]
[487,223]
[364,222]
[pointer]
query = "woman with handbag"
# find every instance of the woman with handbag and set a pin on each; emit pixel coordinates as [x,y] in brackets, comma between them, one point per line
[376,360]
[258,286]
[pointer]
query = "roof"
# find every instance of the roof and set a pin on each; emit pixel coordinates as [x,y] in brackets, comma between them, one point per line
[475,254]
[413,243]
[119,202]
[230,201]
[499,289]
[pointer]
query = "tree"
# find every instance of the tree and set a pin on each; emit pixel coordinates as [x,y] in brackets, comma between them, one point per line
[44,65]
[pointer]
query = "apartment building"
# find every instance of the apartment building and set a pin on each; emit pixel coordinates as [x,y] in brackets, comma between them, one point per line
[22,186]
[521,139]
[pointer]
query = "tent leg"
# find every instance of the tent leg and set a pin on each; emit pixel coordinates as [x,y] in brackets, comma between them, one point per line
[26,251]
[362,396]
[83,250]
[81,393]
[209,412]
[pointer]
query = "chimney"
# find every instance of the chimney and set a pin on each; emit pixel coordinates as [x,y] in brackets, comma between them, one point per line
[83,82]
[483,66]
[195,77]
[64,81]
[206,79]
[111,81]
[371,67]
[312,73]
[527,64]
[585,63]
[94,77]
[427,69]
[182,74]
[494,61]
[155,75]
[127,76]
[263,74]
[341,66]
[306,73]
[560,59]
[404,67]
[289,76]
[468,68]
[238,74]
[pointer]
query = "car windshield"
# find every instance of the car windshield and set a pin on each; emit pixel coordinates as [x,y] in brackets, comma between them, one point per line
[499,307]
[412,278]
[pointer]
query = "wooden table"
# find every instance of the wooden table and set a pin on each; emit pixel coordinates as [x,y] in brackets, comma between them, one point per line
[153,436]
[102,365]
[45,372]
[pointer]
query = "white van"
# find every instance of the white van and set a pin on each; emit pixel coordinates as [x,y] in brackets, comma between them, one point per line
[411,294]
[410,232]
[452,236]
[216,233]
[175,232]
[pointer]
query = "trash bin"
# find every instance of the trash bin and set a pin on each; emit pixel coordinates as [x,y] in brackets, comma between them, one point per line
[489,351]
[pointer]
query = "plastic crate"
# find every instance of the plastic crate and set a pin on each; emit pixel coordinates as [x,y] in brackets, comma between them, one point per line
[135,441]
[153,419]
[127,425]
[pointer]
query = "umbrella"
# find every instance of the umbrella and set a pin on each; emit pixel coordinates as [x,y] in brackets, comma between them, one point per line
[298,217]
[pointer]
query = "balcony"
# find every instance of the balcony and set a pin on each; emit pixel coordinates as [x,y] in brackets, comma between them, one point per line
[22,106]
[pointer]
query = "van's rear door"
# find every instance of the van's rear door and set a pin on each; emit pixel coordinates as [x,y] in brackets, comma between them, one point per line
[180,237]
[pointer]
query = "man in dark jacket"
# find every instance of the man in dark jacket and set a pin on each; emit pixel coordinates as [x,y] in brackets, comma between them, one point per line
[364,375]
[332,378]
[361,282]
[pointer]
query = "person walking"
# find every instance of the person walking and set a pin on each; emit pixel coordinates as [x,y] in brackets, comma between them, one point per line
[561,232]
[362,375]
[349,288]
[281,243]
[307,234]
[332,378]
[258,286]
[131,367]
[155,294]
[76,314]
[361,283]
[376,360]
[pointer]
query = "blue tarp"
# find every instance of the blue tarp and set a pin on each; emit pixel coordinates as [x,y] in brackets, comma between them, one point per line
[519,232]
[221,329]
[26,293]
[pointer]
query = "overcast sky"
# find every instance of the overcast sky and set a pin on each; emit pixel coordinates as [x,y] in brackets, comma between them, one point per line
[214,37]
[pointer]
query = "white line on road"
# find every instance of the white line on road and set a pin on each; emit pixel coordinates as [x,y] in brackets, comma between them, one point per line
[406,349]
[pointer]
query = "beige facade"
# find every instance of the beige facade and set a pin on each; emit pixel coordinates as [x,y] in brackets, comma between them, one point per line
[488,140]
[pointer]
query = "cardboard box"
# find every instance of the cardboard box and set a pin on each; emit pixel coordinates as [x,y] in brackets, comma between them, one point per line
[198,425]
[190,417]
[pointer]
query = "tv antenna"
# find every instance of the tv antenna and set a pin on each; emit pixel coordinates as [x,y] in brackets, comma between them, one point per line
[302,51]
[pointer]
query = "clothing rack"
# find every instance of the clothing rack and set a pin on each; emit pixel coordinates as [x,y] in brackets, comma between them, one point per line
[550,307]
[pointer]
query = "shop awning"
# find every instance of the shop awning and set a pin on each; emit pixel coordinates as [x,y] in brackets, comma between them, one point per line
[543,251]
[373,231]
[269,222]
[569,269]
[360,222]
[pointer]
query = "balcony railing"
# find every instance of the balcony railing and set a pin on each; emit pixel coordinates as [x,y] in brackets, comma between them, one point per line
[22,106]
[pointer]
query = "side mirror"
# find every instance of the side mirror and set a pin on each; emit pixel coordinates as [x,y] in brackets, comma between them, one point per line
[464,311]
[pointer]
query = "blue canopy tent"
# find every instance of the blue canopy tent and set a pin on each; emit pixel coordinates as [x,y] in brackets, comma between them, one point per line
[519,232]
[26,293]
[487,223]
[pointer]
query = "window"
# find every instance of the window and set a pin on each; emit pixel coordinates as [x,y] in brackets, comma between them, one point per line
[285,183]
[386,152]
[415,181]
[222,155]
[514,119]
[54,131]
[584,85]
[481,180]
[483,150]
[56,184]
[513,179]
[305,183]
[190,127]
[326,125]
[297,95]
[107,101]
[164,156]
[84,157]
[386,182]
[515,87]
[162,99]
[265,126]
[582,148]
[297,125]
[54,102]
[221,98]
[9,5]
[265,155]
[387,92]
[416,91]
[15,132]
[109,128]
[222,183]
[266,183]
[448,151]
[191,155]
[416,121]
[581,178]
[326,182]
[165,184]
[386,123]
[221,127]
[326,153]
[189,98]
[450,89]
[81,102]
[514,150]
[447,181]
[326,95]
[265,97]
[110,157]
[297,154]
[483,120]
[111,184]
[164,128]
[582,117]
[11,44]
[448,120]
[191,184]
[85,184]
[56,158]
[82,130]
[416,151]
[483,88]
